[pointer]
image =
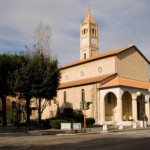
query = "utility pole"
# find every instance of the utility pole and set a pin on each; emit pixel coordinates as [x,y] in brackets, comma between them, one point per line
[84,106]
[84,109]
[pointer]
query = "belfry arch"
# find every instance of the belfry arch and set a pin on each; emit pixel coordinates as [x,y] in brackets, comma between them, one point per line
[110,107]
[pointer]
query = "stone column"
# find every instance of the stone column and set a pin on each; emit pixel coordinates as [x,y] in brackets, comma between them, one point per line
[134,108]
[102,111]
[119,110]
[147,105]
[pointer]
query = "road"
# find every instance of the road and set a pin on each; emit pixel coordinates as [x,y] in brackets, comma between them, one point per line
[129,140]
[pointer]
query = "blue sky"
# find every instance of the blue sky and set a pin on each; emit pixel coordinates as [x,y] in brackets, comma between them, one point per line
[121,23]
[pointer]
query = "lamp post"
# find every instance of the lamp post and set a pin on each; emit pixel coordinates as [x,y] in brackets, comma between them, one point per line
[143,101]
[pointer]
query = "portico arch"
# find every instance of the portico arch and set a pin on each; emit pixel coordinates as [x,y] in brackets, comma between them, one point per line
[127,106]
[110,106]
[140,107]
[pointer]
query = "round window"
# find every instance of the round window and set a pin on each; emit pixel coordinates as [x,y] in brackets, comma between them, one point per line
[99,69]
[81,73]
[66,77]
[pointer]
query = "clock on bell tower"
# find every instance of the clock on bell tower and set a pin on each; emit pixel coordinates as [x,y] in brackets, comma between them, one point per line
[88,37]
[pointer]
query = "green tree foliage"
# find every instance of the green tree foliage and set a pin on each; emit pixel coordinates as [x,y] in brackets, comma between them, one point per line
[8,63]
[90,121]
[45,75]
[39,78]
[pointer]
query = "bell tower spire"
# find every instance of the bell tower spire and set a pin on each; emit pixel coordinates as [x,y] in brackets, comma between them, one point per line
[88,37]
[88,17]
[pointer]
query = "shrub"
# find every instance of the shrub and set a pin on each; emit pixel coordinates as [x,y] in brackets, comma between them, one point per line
[56,123]
[70,115]
[45,124]
[90,121]
[67,112]
[11,115]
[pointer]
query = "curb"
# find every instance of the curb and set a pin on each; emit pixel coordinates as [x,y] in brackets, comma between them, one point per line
[63,133]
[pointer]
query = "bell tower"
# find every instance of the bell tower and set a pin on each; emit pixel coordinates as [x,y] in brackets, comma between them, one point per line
[89,46]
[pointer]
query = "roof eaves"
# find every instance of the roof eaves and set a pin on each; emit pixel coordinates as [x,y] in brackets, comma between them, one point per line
[85,82]
[101,56]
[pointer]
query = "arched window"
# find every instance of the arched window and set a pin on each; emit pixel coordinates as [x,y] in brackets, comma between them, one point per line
[86,30]
[84,55]
[82,95]
[65,96]
[93,31]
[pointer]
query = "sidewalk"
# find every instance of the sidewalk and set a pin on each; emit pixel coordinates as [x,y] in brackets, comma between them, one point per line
[12,130]
[96,130]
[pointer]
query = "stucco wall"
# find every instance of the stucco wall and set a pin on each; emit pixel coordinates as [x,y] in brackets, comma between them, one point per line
[88,70]
[130,64]
[73,96]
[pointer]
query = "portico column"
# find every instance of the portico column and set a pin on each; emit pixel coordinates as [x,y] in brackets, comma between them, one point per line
[134,107]
[147,109]
[119,110]
[102,110]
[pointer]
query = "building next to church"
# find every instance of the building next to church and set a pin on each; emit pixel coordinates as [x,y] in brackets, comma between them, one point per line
[110,80]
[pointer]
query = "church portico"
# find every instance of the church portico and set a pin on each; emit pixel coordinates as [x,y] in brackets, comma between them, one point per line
[120,104]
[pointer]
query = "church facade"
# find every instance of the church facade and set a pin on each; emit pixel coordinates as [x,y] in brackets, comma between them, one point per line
[110,80]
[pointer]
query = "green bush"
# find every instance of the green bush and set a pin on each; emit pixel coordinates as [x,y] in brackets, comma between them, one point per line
[45,124]
[67,113]
[70,115]
[11,116]
[56,123]
[90,122]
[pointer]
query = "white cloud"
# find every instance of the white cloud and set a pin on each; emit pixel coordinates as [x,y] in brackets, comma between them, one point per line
[120,24]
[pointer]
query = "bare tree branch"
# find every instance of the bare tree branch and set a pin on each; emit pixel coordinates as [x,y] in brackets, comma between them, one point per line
[42,39]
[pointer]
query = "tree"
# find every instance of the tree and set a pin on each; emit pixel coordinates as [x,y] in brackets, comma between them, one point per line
[45,79]
[42,39]
[42,48]
[40,76]
[8,63]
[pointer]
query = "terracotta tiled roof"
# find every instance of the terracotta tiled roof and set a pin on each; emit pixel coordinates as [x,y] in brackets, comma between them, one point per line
[107,81]
[84,81]
[119,81]
[107,54]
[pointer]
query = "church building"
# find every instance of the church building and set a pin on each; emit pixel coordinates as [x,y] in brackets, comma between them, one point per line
[116,82]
